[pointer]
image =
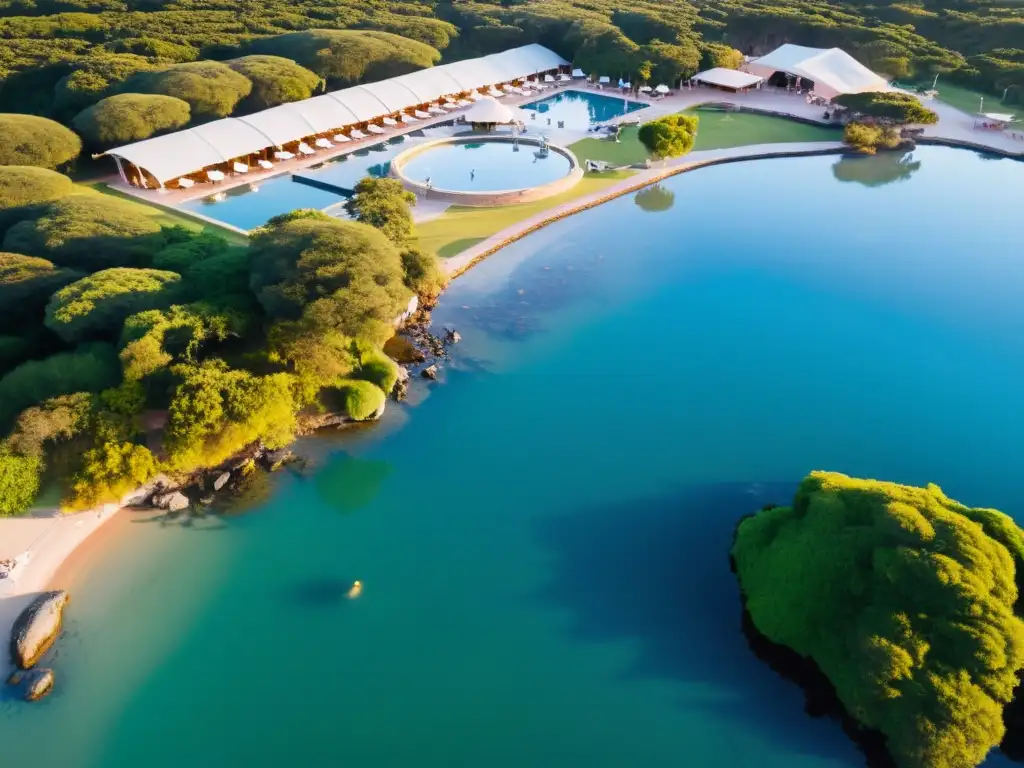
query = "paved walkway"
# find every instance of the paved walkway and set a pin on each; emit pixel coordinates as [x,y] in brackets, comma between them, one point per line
[463,261]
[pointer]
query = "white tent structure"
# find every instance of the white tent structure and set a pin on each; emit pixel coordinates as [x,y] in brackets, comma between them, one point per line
[489,111]
[178,154]
[732,79]
[832,70]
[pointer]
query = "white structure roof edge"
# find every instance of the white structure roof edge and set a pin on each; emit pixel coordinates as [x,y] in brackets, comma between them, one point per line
[728,78]
[489,110]
[182,152]
[833,70]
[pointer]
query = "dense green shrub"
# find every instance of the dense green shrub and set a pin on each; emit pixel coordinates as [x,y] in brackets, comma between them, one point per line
[317,356]
[335,274]
[424,274]
[98,305]
[867,139]
[32,140]
[154,48]
[108,472]
[361,398]
[14,350]
[377,368]
[59,418]
[718,55]
[275,80]
[127,117]
[19,481]
[88,232]
[211,88]
[89,368]
[905,600]
[215,412]
[347,57]
[384,204]
[669,136]
[92,79]
[25,186]
[26,284]
[893,106]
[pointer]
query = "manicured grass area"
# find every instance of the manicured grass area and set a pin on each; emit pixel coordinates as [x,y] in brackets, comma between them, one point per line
[717,130]
[462,227]
[722,130]
[628,151]
[967,100]
[165,217]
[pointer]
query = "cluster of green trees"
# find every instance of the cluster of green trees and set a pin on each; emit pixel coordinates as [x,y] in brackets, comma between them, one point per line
[889,107]
[670,136]
[108,320]
[868,138]
[904,598]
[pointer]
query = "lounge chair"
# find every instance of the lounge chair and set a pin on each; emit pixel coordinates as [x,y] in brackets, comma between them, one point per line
[266,165]
[421,114]
[355,133]
[375,129]
[390,121]
[215,176]
[240,167]
[408,119]
[323,143]
[283,155]
[340,138]
[305,149]
[185,183]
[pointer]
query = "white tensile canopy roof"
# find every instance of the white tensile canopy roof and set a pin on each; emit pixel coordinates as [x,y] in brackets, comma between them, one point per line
[489,110]
[728,78]
[177,154]
[833,70]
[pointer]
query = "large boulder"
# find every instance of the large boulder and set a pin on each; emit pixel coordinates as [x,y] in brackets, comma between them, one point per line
[175,501]
[37,683]
[221,480]
[37,627]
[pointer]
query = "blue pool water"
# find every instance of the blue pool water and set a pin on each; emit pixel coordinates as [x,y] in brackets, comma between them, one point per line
[543,537]
[486,166]
[247,208]
[578,110]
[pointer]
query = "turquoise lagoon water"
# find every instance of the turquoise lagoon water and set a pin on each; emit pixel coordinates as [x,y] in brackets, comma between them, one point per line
[486,166]
[578,110]
[543,537]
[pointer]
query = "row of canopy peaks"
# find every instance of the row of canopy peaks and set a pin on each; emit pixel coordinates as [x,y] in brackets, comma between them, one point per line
[177,154]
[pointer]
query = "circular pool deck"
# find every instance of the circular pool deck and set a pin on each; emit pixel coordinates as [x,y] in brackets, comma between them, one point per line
[491,196]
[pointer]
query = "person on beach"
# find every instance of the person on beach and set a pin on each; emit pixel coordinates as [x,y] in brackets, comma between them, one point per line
[472,174]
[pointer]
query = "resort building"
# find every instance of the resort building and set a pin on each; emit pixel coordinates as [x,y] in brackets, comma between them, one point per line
[235,144]
[828,72]
[732,80]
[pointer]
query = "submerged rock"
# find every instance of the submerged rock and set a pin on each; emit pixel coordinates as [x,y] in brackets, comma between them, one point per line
[37,683]
[430,372]
[175,501]
[37,627]
[452,336]
[274,460]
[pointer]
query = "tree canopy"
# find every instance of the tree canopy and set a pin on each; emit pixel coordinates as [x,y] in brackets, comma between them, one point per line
[867,139]
[32,140]
[211,88]
[98,305]
[904,598]
[26,284]
[670,136]
[275,80]
[93,78]
[23,186]
[127,117]
[383,203]
[892,106]
[88,232]
[347,57]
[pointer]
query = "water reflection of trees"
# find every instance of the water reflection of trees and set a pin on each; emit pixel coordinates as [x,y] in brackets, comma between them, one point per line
[655,199]
[350,483]
[876,170]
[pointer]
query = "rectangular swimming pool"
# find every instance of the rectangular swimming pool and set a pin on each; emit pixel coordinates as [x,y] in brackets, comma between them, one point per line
[252,205]
[578,110]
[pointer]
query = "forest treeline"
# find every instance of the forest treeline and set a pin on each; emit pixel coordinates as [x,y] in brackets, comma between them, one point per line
[57,57]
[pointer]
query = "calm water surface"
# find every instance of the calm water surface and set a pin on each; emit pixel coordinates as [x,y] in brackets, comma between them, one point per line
[486,166]
[578,110]
[543,538]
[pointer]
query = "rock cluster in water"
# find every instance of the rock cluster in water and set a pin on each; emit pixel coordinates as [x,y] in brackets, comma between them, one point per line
[32,635]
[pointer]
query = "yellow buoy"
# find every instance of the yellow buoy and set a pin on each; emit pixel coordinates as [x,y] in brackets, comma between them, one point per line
[356,589]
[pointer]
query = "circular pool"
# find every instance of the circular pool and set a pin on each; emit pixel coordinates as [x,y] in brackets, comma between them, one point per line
[487,171]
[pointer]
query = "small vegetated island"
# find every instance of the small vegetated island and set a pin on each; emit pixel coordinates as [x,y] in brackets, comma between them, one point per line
[898,604]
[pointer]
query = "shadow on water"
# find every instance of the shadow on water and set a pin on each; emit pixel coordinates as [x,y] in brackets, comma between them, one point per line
[656,571]
[321,592]
[350,483]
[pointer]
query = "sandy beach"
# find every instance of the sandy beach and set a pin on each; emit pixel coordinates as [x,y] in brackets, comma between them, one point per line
[40,544]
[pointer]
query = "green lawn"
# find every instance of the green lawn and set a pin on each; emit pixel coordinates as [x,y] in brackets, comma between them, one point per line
[461,227]
[721,130]
[717,130]
[968,101]
[166,217]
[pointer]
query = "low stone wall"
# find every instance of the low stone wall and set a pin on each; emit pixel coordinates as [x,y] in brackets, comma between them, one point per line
[941,141]
[487,199]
